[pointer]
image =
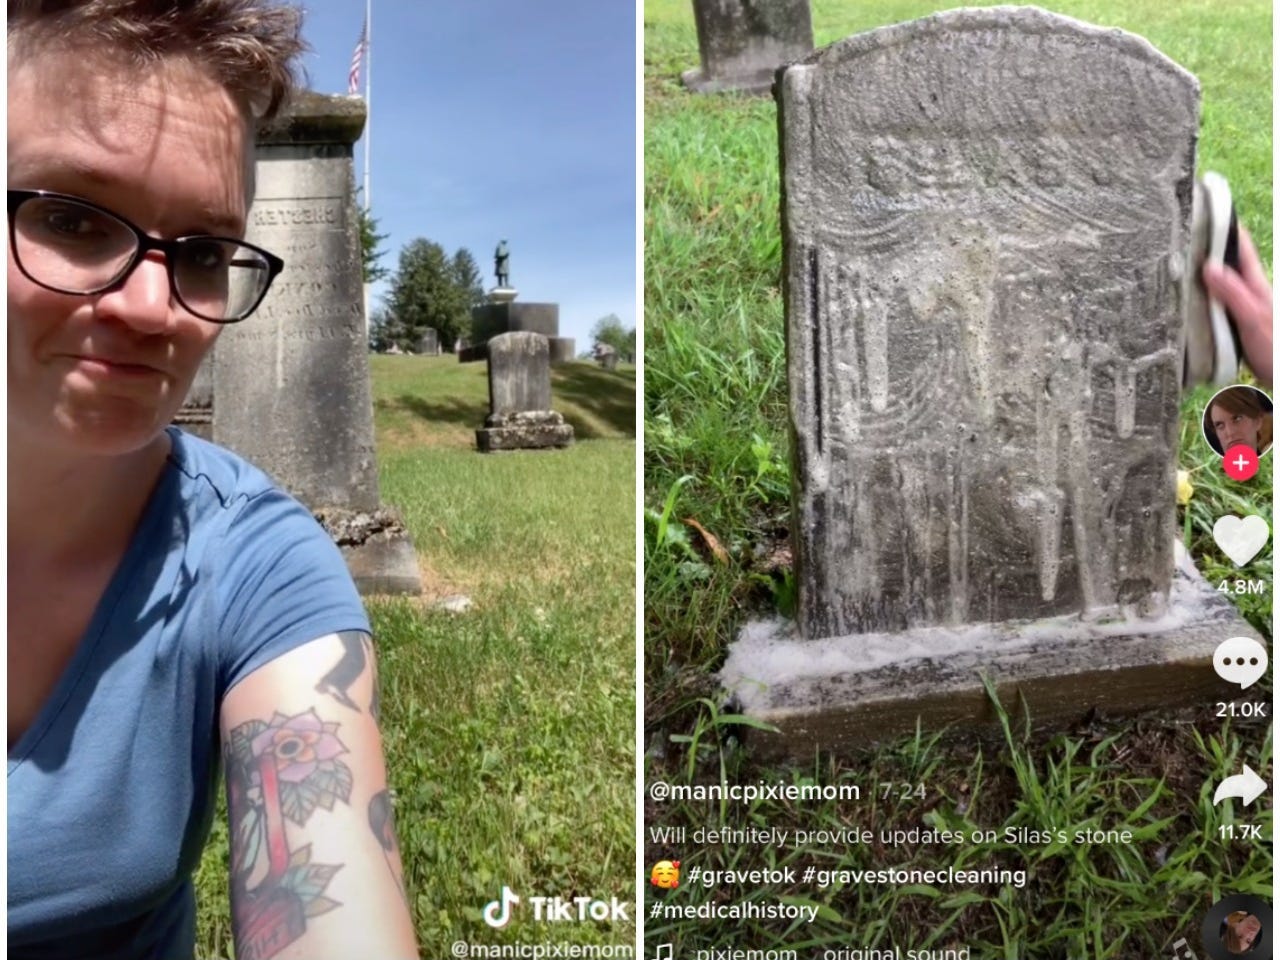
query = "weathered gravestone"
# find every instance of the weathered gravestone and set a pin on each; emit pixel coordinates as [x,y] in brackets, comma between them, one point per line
[291,383]
[743,42]
[986,216]
[428,344]
[520,414]
[606,356]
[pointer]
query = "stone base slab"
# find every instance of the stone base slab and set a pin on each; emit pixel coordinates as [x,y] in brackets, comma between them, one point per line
[757,84]
[853,691]
[526,430]
[376,546]
[384,566]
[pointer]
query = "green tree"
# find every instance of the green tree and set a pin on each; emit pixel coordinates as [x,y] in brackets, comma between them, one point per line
[370,245]
[425,293]
[610,331]
[466,275]
[384,329]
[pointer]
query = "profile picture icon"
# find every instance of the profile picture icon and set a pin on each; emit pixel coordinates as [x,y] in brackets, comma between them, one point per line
[1239,931]
[1238,415]
[1238,926]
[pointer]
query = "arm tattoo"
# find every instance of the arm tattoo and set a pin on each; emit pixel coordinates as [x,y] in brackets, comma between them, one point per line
[375,705]
[278,771]
[382,823]
[337,682]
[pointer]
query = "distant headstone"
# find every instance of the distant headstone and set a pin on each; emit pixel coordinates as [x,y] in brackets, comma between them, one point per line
[743,42]
[985,216]
[606,356]
[428,344]
[298,368]
[561,349]
[520,414]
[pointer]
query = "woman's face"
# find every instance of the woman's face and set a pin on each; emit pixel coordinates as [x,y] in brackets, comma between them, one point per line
[1242,931]
[166,150]
[1234,428]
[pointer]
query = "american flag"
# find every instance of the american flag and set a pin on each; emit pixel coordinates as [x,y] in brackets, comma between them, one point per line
[353,75]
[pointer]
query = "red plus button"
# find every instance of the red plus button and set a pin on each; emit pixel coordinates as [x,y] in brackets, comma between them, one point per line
[1240,462]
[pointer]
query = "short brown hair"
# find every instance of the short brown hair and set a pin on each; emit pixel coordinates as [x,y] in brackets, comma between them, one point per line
[248,46]
[1249,401]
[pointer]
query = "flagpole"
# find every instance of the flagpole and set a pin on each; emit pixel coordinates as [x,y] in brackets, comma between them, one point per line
[368,129]
[368,95]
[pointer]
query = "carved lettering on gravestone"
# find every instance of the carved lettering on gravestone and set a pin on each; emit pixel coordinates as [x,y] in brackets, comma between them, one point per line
[298,368]
[984,215]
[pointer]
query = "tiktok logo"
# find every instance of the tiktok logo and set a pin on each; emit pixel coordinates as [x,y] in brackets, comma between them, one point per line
[497,913]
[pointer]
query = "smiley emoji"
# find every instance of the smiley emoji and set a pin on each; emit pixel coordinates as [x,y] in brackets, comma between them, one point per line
[665,874]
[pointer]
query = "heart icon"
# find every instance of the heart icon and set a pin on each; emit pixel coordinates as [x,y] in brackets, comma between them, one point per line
[1241,538]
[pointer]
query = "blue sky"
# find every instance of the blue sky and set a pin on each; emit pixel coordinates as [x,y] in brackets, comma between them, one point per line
[498,119]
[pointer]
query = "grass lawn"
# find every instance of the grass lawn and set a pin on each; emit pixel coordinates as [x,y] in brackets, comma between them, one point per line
[509,730]
[717,451]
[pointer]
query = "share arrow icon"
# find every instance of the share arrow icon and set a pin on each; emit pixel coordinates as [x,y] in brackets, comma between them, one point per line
[1248,786]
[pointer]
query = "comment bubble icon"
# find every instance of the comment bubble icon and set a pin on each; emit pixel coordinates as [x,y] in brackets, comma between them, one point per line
[1241,660]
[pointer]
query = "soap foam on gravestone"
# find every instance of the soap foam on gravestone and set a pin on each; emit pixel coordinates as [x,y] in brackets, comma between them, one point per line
[985,217]
[1241,538]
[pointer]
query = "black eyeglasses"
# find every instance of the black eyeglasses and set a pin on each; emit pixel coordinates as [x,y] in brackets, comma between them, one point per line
[70,245]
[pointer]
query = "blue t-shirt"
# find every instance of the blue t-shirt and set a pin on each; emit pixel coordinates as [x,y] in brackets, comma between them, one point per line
[112,788]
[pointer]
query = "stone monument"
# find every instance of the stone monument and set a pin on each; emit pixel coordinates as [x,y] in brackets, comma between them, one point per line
[520,415]
[985,218]
[503,314]
[743,42]
[298,368]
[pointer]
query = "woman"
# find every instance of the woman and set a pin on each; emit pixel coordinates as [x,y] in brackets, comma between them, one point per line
[1238,415]
[164,598]
[1240,931]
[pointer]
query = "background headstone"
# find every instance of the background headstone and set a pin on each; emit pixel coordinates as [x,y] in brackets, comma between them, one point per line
[520,414]
[298,368]
[519,373]
[606,356]
[743,42]
[428,343]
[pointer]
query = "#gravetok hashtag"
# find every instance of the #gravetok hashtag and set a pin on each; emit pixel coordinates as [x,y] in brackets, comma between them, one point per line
[808,875]
[655,911]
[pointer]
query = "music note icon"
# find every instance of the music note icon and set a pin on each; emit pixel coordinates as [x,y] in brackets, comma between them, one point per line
[497,913]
